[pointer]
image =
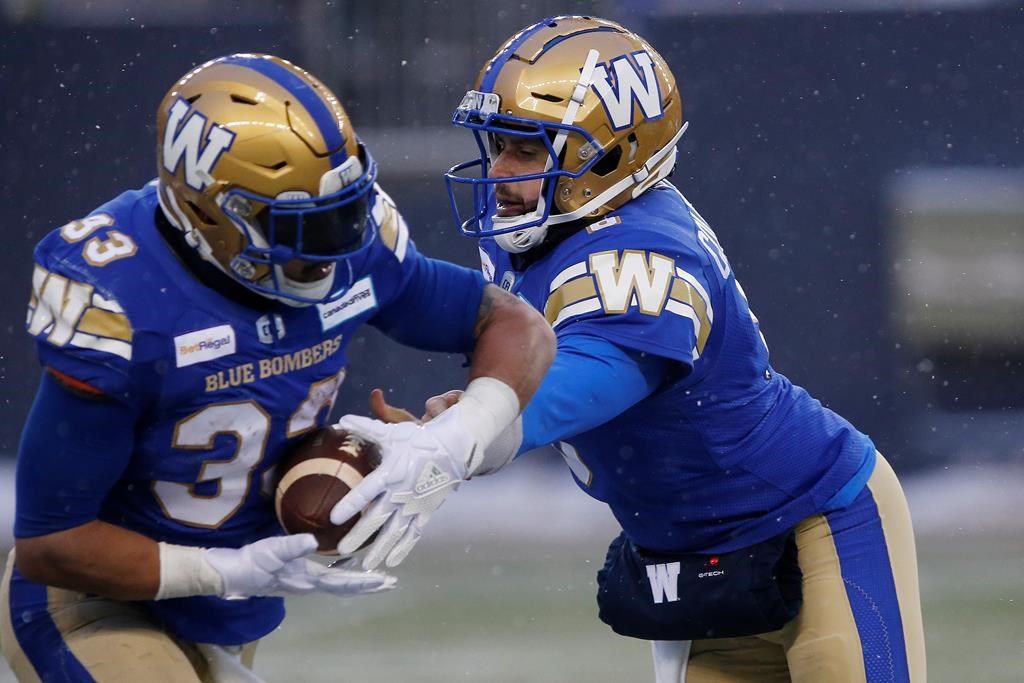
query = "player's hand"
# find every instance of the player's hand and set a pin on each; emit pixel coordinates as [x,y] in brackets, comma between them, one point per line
[438,404]
[385,412]
[279,565]
[435,405]
[420,466]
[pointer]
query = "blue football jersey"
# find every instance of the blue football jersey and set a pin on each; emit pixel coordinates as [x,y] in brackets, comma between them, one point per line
[726,452]
[221,388]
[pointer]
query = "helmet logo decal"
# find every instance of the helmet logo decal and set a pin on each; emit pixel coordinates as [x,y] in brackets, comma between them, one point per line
[630,85]
[477,103]
[184,142]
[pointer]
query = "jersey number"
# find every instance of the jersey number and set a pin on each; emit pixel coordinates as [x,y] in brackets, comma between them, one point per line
[99,251]
[249,424]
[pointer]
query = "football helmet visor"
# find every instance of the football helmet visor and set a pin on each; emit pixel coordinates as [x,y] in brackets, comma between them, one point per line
[603,103]
[259,167]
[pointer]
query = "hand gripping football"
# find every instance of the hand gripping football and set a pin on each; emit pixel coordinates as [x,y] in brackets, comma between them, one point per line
[314,475]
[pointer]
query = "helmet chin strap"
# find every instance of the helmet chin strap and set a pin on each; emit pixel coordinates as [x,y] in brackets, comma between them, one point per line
[317,289]
[518,241]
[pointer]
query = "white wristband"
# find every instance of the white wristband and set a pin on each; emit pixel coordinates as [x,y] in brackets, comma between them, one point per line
[487,407]
[184,571]
[502,450]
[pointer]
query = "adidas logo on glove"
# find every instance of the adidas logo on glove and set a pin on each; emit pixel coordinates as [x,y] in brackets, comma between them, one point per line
[431,478]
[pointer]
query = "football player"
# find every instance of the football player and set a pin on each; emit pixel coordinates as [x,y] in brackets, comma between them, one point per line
[764,537]
[189,331]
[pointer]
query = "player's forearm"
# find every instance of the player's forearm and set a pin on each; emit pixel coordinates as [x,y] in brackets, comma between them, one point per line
[509,331]
[95,557]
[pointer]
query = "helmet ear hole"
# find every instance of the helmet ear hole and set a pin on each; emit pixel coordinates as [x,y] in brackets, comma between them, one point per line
[608,163]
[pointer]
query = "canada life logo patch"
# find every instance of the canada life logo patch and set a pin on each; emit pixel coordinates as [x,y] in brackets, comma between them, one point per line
[357,300]
[203,345]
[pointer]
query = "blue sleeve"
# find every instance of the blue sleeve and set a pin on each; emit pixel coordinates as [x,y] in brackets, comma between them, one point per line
[437,308]
[73,449]
[590,382]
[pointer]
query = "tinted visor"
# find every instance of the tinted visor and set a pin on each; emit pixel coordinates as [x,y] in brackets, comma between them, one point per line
[331,229]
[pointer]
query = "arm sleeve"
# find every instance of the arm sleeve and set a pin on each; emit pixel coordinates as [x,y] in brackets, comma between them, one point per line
[437,308]
[590,382]
[73,450]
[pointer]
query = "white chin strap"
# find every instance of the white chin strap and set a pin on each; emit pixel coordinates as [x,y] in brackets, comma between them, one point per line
[317,289]
[518,241]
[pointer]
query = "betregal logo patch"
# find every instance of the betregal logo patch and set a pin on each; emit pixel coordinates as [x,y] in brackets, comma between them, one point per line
[203,345]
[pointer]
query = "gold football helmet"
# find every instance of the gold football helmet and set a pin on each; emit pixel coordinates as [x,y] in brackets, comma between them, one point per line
[259,166]
[599,97]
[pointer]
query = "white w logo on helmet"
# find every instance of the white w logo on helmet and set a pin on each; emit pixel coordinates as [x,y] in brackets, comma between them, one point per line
[630,85]
[187,141]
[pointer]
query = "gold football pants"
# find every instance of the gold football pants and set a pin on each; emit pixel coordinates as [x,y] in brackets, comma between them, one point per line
[108,641]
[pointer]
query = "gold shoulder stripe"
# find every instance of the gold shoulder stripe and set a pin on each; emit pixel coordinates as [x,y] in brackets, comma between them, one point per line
[389,227]
[571,273]
[393,231]
[568,294]
[685,293]
[102,323]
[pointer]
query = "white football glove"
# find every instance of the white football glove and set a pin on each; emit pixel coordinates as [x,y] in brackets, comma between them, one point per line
[420,466]
[278,565]
[272,566]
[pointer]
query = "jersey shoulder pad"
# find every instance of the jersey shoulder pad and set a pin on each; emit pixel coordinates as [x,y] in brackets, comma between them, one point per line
[641,279]
[391,227]
[392,257]
[84,275]
[622,268]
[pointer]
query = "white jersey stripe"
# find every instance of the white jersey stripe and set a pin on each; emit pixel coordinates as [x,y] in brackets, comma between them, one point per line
[578,308]
[106,304]
[573,271]
[114,346]
[699,288]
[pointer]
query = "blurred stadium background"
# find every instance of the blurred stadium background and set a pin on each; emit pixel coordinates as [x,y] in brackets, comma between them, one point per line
[861,161]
